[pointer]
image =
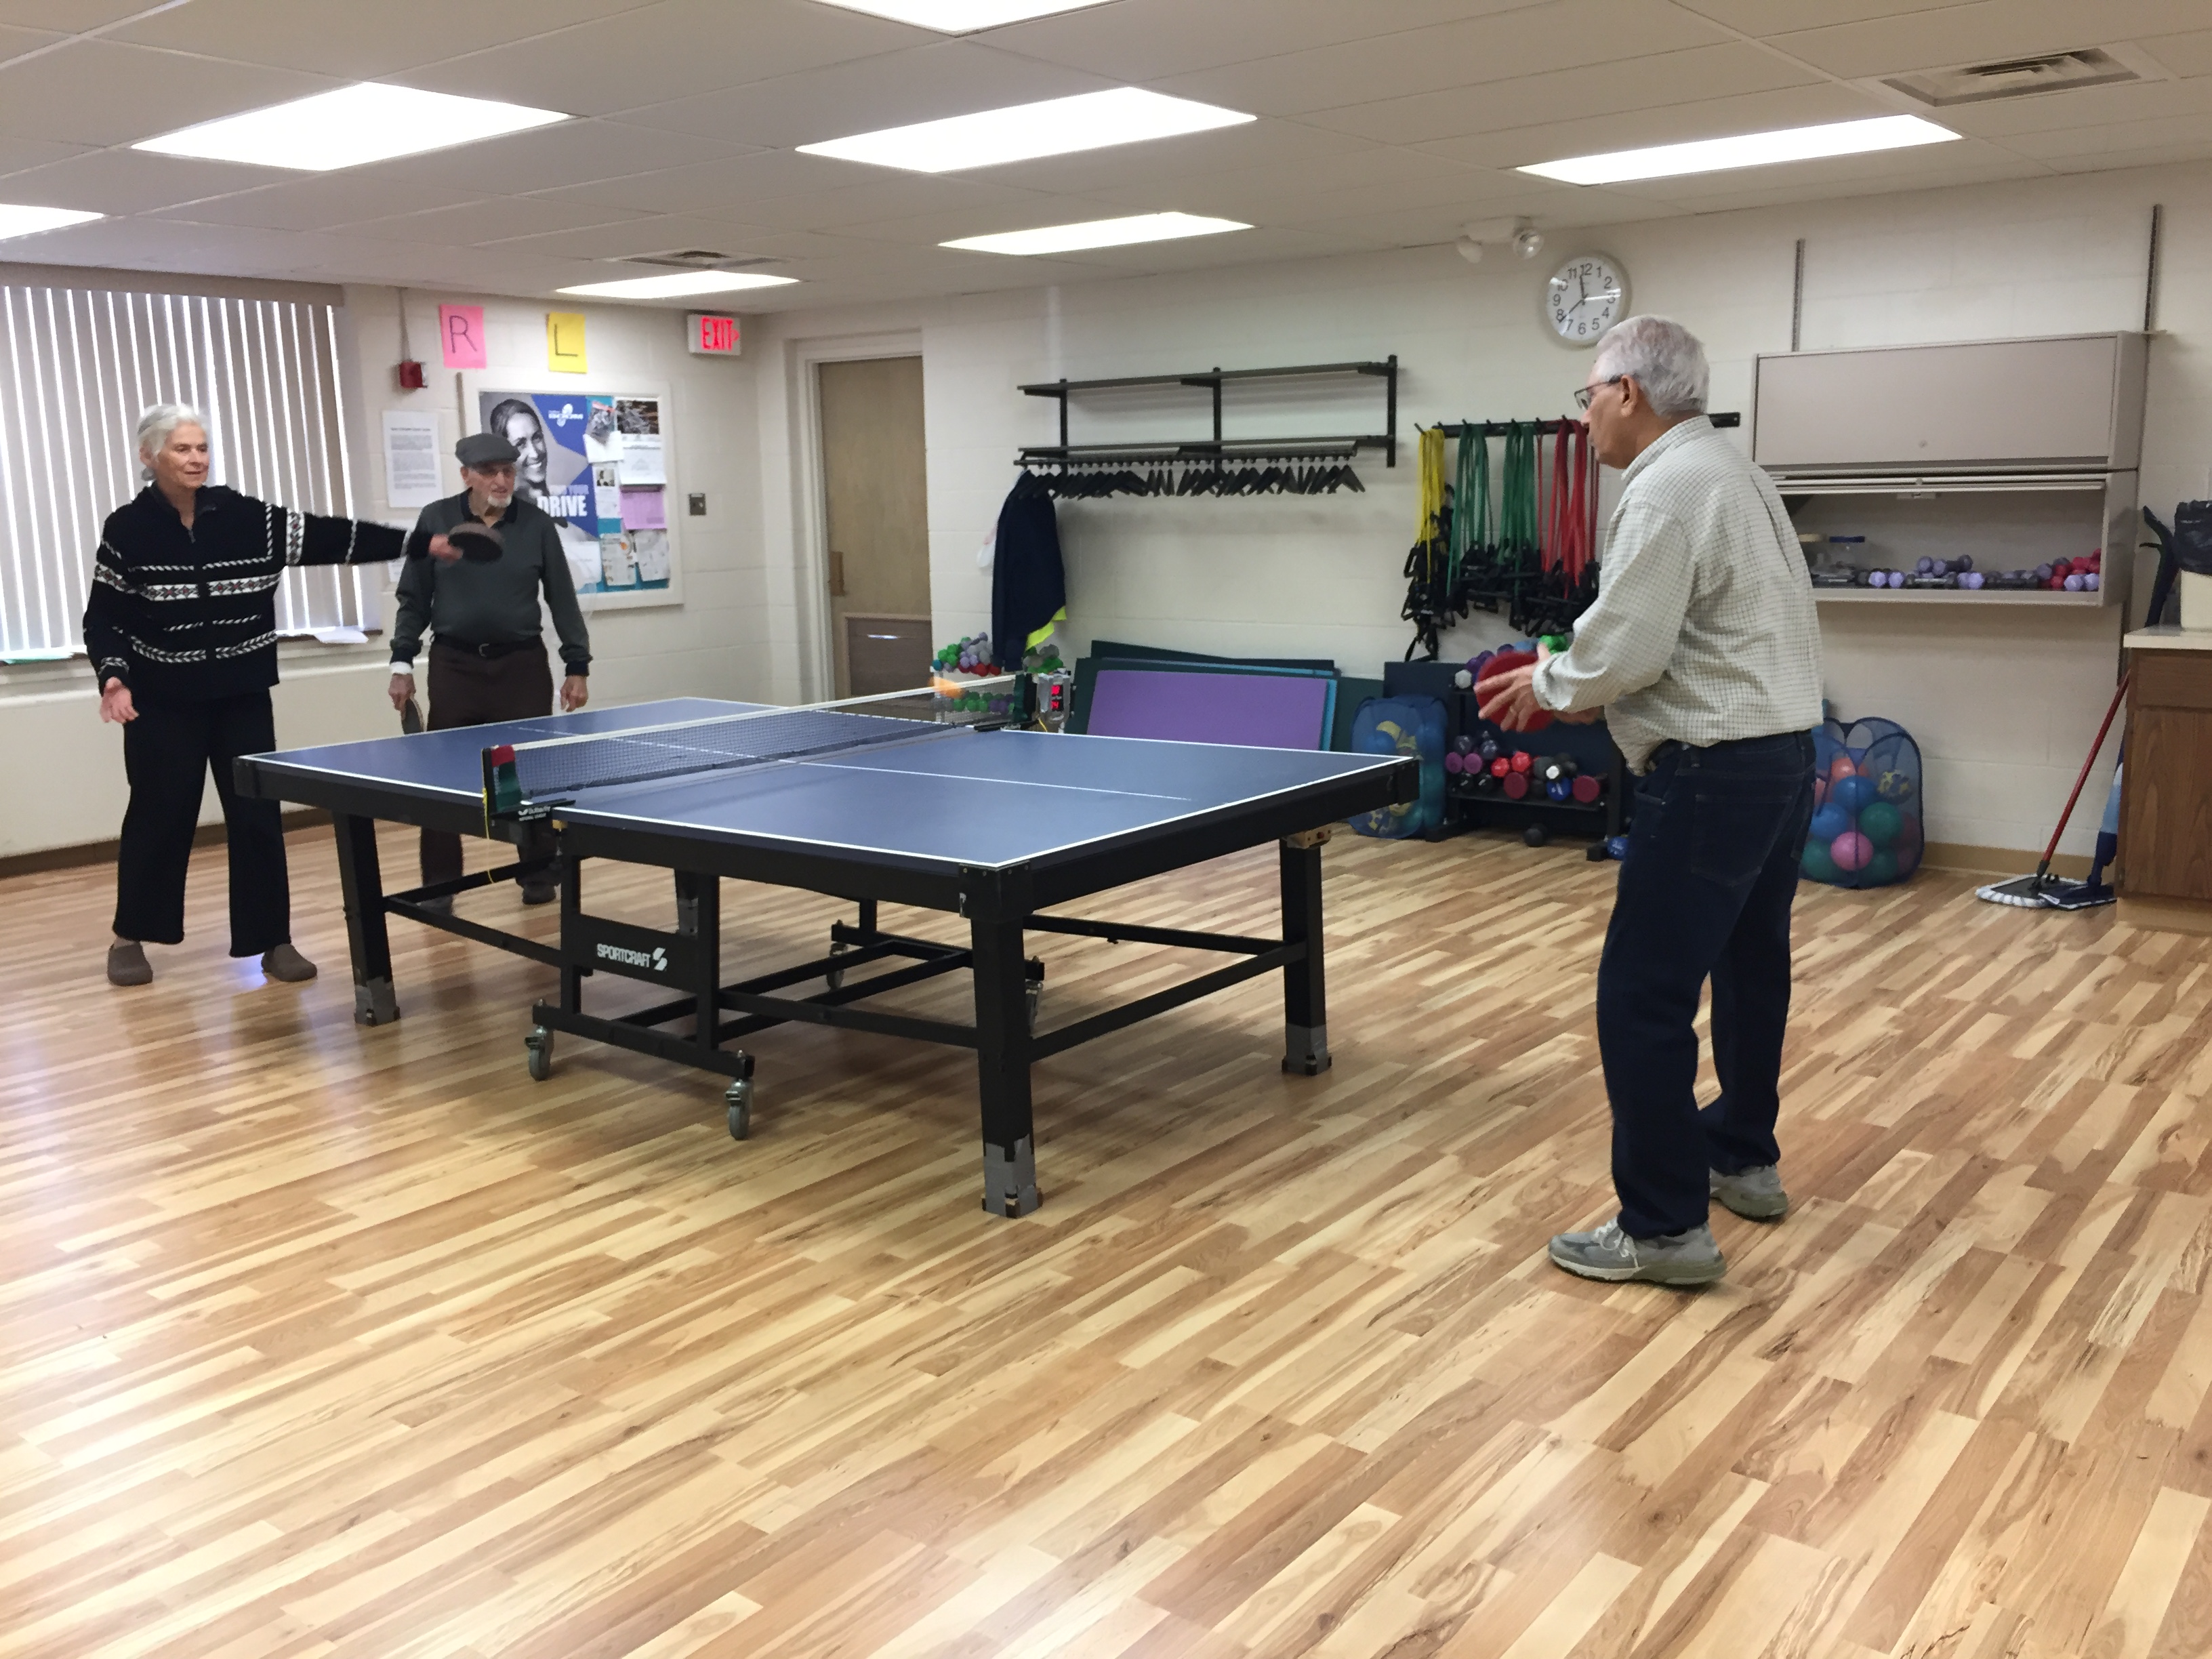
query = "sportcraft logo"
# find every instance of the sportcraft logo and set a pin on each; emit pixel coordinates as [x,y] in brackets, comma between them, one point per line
[656,959]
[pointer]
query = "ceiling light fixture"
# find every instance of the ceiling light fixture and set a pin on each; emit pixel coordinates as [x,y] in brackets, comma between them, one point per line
[370,122]
[1751,149]
[962,16]
[1058,126]
[30,221]
[677,285]
[1099,233]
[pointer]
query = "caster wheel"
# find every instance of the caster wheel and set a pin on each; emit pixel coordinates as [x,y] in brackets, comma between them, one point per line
[738,1096]
[539,1044]
[1536,835]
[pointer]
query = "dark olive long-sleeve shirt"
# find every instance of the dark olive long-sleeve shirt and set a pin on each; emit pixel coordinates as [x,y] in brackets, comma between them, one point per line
[494,602]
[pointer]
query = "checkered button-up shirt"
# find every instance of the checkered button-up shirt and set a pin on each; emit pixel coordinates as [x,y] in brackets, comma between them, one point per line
[1704,631]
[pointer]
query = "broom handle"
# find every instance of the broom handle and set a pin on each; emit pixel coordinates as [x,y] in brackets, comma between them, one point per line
[2050,852]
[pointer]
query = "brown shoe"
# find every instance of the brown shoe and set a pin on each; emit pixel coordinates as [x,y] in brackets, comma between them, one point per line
[127,965]
[288,964]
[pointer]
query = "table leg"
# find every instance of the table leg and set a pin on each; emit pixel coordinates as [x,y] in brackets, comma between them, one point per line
[362,883]
[1305,1002]
[1002,1063]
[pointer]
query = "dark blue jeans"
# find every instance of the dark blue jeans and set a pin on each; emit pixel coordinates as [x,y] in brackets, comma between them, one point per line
[1705,890]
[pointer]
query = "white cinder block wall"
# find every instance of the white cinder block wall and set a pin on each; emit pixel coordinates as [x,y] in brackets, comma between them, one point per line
[2004,702]
[716,643]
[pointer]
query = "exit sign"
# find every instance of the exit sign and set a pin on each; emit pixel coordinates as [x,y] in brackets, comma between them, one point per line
[709,335]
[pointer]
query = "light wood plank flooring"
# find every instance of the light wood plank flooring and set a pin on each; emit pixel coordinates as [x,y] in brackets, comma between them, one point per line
[321,1341]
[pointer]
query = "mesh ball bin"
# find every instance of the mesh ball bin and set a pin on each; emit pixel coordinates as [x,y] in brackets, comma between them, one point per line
[1867,805]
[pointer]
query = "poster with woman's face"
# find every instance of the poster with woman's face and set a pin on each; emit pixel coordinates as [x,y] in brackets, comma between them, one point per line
[547,431]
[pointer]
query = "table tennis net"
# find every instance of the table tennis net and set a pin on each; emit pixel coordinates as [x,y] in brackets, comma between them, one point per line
[563,768]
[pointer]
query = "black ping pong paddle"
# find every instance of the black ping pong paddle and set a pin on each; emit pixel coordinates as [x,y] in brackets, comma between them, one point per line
[410,717]
[479,542]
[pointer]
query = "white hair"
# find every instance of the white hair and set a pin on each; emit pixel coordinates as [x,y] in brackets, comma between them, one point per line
[155,425]
[1660,356]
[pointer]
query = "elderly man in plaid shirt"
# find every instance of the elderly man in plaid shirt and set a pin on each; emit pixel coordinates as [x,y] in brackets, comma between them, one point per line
[1702,652]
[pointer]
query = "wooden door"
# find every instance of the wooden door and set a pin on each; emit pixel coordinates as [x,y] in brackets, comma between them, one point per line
[878,498]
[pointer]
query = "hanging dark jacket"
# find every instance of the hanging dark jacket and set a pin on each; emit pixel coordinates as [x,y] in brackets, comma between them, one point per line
[1028,588]
[186,615]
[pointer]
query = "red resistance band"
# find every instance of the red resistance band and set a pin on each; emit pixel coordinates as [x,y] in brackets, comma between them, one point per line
[1570,515]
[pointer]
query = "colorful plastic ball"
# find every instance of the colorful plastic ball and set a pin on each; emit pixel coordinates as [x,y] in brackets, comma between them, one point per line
[1881,869]
[1842,767]
[1851,850]
[1820,791]
[1830,821]
[1894,786]
[1908,841]
[1879,822]
[1816,863]
[1853,794]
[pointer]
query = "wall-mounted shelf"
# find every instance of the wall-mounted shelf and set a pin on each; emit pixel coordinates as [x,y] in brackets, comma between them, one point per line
[1727,417]
[1984,596]
[1214,380]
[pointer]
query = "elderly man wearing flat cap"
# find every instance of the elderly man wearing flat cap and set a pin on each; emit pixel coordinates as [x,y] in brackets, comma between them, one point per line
[479,601]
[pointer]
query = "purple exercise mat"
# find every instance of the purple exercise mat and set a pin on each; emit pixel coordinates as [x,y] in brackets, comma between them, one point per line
[1260,711]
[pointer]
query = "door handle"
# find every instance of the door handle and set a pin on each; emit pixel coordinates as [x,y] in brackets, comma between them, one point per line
[836,575]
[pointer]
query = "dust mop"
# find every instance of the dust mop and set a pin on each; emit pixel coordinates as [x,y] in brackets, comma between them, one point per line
[2043,891]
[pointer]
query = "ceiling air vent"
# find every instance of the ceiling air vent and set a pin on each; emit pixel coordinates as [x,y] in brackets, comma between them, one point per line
[695,258]
[2015,77]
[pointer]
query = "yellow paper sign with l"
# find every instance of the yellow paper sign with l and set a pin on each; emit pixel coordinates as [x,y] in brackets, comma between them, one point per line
[564,342]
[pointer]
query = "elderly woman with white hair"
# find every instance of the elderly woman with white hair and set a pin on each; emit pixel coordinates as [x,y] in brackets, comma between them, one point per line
[181,628]
[1702,650]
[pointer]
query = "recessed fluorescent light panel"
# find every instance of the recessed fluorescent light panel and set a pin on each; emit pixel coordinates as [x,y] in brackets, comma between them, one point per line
[677,285]
[1058,126]
[29,221]
[370,122]
[962,16]
[1099,233]
[1752,149]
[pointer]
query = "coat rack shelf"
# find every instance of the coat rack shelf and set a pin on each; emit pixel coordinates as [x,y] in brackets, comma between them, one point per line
[1215,381]
[1550,428]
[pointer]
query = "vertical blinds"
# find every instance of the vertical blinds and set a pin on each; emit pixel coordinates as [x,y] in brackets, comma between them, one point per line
[77,366]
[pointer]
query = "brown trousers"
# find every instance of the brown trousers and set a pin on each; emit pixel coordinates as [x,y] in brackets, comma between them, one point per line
[471,690]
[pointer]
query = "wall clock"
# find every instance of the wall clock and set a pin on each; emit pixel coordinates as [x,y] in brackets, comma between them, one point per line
[1586,296]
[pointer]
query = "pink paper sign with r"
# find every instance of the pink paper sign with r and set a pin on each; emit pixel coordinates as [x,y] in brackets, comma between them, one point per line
[461,334]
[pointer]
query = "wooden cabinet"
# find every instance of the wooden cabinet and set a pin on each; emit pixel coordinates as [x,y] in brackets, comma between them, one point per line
[2165,828]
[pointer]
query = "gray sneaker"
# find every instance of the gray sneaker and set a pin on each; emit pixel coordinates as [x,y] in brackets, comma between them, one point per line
[1756,1193]
[284,963]
[1690,1258]
[127,964]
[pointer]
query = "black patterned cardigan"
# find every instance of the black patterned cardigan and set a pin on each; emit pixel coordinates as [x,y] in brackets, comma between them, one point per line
[186,615]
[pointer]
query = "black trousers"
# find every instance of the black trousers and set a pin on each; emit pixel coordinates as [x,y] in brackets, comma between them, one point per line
[167,753]
[466,689]
[1705,890]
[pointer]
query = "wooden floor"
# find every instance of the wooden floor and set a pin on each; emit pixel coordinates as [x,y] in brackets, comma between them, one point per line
[322,1340]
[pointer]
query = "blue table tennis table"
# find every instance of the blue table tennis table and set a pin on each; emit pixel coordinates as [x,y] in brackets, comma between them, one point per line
[995,825]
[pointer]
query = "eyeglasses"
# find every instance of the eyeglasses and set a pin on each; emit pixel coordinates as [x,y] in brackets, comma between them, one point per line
[507,471]
[1584,394]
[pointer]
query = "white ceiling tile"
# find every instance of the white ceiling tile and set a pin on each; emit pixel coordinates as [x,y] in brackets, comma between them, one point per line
[1765,17]
[96,92]
[1983,33]
[319,203]
[1596,134]
[480,223]
[130,181]
[1292,148]
[673,49]
[723,184]
[657,234]
[19,155]
[356,42]
[68,17]
[1150,39]
[2088,109]
[1678,80]
[575,152]
[1529,40]
[880,204]
[2183,54]
[924,83]
[2118,137]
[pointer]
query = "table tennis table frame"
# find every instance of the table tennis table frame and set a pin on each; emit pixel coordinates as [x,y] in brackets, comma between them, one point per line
[1000,904]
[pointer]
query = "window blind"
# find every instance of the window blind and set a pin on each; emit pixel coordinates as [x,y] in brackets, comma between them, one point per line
[78,365]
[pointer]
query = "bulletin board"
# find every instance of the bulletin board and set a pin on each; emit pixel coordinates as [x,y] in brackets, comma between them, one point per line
[597,458]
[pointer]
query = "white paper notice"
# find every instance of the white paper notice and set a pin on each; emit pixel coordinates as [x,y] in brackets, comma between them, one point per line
[640,459]
[412,477]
